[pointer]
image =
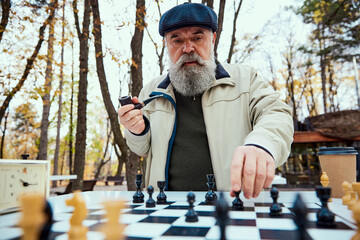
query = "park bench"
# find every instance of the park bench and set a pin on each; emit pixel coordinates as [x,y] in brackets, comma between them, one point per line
[88,185]
[114,179]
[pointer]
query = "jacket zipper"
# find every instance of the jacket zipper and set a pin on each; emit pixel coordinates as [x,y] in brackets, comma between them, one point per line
[169,98]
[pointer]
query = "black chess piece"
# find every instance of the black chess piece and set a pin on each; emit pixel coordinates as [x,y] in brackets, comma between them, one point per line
[275,209]
[300,214]
[138,197]
[221,214]
[325,218]
[45,231]
[210,197]
[161,197]
[25,156]
[191,215]
[237,204]
[150,203]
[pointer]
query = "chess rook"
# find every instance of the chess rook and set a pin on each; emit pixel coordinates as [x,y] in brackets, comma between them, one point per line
[325,218]
[237,204]
[161,197]
[33,217]
[112,228]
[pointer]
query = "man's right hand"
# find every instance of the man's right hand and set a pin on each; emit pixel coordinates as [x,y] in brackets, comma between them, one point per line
[131,118]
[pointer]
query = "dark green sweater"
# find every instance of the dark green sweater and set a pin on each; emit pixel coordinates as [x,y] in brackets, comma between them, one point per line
[190,157]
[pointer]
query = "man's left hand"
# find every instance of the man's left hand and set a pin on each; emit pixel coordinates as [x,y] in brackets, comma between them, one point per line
[252,169]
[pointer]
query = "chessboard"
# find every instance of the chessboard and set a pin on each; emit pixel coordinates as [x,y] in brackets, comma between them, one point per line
[167,221]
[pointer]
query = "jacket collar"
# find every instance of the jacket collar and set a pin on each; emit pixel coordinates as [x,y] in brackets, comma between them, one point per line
[220,73]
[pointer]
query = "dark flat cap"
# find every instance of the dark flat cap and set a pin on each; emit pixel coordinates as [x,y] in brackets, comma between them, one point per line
[188,15]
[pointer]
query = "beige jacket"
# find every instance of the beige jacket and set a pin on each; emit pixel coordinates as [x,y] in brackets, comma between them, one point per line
[241,108]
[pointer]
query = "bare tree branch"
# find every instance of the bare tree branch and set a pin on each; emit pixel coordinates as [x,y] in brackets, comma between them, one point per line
[5,7]
[30,62]
[220,25]
[233,38]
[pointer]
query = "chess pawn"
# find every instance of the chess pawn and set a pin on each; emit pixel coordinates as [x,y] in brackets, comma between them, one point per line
[150,203]
[352,200]
[356,188]
[346,188]
[191,215]
[356,217]
[324,180]
[112,229]
[33,218]
[77,230]
[275,209]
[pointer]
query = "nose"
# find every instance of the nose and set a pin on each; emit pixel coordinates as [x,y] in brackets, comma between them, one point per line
[188,47]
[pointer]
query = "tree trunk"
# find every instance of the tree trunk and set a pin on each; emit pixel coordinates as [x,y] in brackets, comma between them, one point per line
[113,116]
[233,37]
[136,48]
[132,161]
[57,145]
[121,159]
[30,62]
[3,136]
[108,135]
[71,126]
[5,7]
[80,142]
[42,155]
[322,65]
[220,25]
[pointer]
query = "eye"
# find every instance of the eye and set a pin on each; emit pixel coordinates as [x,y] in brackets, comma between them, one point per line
[197,38]
[177,41]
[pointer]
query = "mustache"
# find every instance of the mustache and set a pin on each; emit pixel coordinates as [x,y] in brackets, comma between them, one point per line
[186,57]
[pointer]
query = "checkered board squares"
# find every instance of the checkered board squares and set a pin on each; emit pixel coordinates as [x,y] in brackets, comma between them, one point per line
[167,221]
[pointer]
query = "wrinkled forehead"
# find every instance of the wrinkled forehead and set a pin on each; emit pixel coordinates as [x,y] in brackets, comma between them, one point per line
[187,32]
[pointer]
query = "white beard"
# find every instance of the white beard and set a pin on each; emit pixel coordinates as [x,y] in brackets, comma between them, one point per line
[195,79]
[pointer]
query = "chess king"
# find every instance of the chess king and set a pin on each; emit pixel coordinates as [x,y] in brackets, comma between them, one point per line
[207,117]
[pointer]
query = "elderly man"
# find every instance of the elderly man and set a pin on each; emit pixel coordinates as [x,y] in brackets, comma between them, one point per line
[208,117]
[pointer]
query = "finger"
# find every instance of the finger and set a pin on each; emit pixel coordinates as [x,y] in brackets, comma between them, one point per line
[270,173]
[236,169]
[134,120]
[132,114]
[135,100]
[124,109]
[138,127]
[249,175]
[260,177]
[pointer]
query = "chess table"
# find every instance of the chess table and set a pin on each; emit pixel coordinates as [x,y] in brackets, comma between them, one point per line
[168,221]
